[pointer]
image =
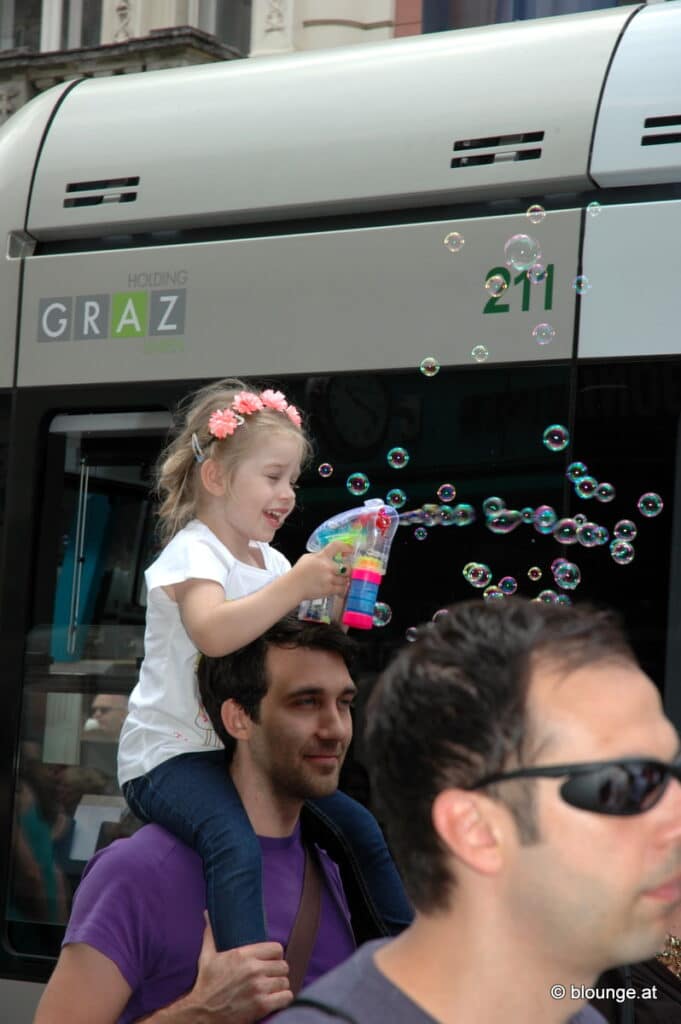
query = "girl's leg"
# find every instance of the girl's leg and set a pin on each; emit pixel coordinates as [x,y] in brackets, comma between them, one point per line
[193,796]
[380,875]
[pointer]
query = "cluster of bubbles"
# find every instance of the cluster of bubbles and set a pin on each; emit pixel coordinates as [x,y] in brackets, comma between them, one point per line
[587,486]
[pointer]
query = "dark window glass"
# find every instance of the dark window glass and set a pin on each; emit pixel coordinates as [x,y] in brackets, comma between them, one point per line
[440,15]
[233,24]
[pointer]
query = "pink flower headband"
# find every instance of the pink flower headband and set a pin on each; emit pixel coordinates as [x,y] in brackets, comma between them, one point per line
[223,422]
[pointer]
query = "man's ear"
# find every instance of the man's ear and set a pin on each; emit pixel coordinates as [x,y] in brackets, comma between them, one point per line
[213,477]
[235,720]
[467,825]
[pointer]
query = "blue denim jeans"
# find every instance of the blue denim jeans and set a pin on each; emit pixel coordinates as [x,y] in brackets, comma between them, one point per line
[193,796]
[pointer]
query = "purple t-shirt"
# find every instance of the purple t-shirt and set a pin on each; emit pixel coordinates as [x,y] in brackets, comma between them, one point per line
[141,901]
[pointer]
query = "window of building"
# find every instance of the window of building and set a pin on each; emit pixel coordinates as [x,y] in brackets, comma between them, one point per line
[20,24]
[440,15]
[229,21]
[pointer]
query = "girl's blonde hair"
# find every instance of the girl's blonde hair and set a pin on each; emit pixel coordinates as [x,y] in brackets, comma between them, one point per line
[177,479]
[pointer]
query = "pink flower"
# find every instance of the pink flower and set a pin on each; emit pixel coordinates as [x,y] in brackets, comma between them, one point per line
[274,400]
[294,415]
[223,422]
[247,402]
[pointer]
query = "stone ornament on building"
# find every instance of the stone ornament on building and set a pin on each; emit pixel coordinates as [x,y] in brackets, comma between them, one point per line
[123,31]
[274,18]
[7,106]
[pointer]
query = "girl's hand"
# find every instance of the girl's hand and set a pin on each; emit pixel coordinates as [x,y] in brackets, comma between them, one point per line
[322,574]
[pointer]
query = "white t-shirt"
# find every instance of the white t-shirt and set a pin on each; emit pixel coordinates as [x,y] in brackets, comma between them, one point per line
[165,717]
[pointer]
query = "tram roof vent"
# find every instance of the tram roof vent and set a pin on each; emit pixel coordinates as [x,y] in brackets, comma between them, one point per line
[667,137]
[94,193]
[497,149]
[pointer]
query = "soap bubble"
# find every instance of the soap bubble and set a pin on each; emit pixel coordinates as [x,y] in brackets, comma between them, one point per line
[650,504]
[446,492]
[493,593]
[588,534]
[492,505]
[580,519]
[325,469]
[429,366]
[383,613]
[527,514]
[581,284]
[534,573]
[446,515]
[496,285]
[454,241]
[594,208]
[420,533]
[535,213]
[357,483]
[430,514]
[556,564]
[521,252]
[477,574]
[543,333]
[622,551]
[398,458]
[465,514]
[544,519]
[537,273]
[575,471]
[508,585]
[625,530]
[556,438]
[586,486]
[504,522]
[411,634]
[480,353]
[605,492]
[603,535]
[440,613]
[396,497]
[565,531]
[547,596]
[564,600]
[568,576]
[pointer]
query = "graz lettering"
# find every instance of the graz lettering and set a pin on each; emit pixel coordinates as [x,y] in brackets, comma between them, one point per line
[134,314]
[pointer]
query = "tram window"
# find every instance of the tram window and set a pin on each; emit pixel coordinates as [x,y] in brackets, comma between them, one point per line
[82,655]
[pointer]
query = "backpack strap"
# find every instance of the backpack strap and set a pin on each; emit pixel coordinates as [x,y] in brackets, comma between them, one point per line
[306,925]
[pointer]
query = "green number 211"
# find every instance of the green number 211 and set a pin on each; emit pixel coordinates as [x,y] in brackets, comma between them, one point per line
[495,305]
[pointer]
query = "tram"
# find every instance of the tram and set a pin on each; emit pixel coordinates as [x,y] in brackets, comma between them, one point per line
[338,223]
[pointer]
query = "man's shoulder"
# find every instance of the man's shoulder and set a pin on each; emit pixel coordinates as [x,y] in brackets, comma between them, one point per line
[150,850]
[354,986]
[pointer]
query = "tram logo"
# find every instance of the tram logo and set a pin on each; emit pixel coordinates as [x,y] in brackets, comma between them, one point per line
[135,314]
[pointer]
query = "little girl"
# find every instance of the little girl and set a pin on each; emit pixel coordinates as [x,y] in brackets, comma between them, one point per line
[227,483]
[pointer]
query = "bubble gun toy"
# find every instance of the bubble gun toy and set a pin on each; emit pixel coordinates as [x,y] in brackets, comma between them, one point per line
[369,530]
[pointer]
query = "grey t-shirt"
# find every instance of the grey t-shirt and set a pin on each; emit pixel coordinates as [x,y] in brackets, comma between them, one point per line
[358,993]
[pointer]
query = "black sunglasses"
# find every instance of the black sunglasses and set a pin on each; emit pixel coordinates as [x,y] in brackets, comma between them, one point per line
[630,786]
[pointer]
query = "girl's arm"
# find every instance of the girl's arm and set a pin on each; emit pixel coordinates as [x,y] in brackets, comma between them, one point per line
[218,627]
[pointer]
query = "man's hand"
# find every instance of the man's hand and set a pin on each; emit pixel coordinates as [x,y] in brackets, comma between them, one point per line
[240,985]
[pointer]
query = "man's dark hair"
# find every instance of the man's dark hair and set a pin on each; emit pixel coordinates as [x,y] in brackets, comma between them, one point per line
[451,708]
[241,676]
